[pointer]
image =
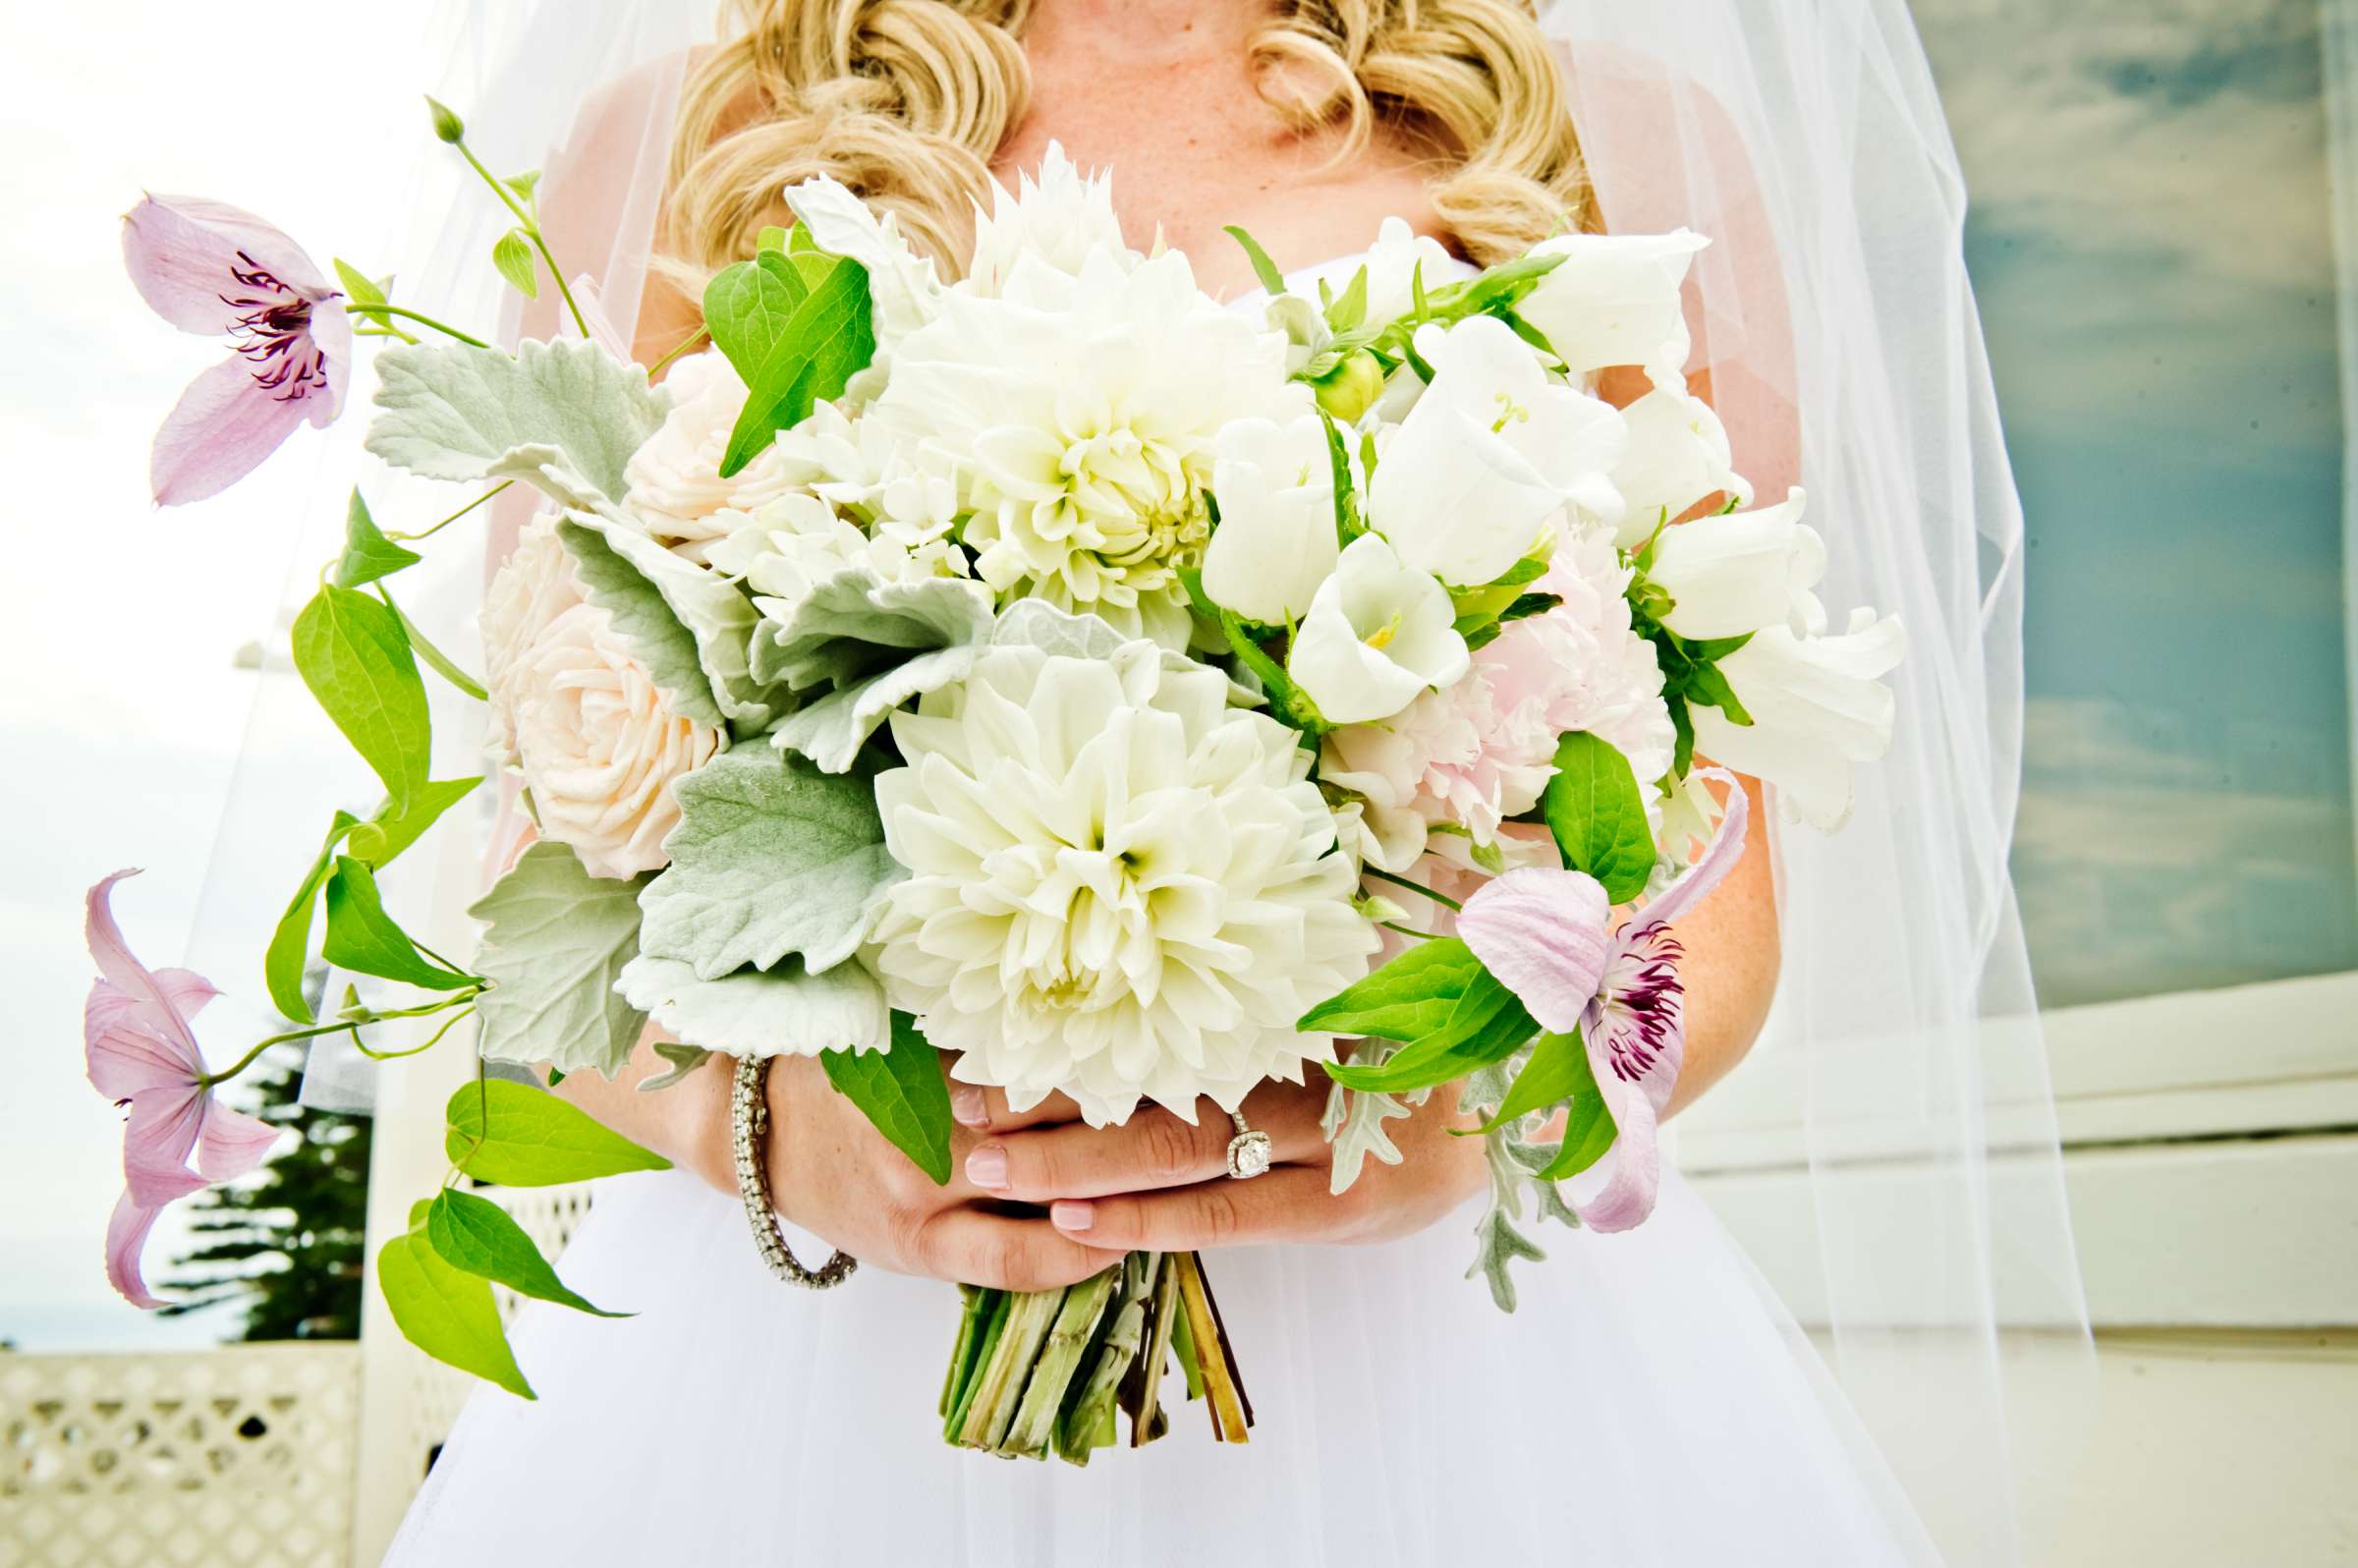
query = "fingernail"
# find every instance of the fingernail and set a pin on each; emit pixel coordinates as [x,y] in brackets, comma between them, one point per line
[988,1166]
[1070,1213]
[968,1105]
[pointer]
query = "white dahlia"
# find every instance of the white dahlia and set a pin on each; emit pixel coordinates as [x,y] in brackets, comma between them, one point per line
[1078,413]
[1119,885]
[786,548]
[1058,217]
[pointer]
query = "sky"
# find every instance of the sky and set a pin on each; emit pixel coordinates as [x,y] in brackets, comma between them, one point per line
[2150,241]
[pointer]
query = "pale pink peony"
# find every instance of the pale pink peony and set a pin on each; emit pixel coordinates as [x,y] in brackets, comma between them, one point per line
[575,711]
[1482,750]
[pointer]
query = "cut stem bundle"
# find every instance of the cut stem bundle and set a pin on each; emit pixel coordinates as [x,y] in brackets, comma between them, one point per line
[1055,1370]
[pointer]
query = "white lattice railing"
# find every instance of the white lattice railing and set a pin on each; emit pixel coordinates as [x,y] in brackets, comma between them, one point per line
[238,1455]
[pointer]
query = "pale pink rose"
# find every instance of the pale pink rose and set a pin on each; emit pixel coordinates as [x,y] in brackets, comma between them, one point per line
[676,492]
[597,744]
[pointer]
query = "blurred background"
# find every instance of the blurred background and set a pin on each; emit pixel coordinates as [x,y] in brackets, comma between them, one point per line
[2165,229]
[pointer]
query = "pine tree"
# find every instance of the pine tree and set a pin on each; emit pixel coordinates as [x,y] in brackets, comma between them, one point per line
[288,1241]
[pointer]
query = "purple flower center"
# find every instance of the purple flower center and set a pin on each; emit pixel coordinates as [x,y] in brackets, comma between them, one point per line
[273,332]
[1642,1001]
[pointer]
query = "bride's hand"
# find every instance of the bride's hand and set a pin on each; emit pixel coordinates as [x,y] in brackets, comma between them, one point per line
[1158,1184]
[834,1175]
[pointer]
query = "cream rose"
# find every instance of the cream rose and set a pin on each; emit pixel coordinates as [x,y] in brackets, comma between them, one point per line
[676,492]
[573,711]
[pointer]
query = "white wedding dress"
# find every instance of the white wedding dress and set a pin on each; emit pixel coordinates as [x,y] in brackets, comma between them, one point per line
[1650,1402]
[1647,1404]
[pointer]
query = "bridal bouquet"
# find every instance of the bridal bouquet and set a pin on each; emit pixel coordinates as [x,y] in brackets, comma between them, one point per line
[1131,695]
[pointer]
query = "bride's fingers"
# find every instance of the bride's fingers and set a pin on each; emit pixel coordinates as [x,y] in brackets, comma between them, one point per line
[1153,1149]
[967,1244]
[1286,1204]
[985,1110]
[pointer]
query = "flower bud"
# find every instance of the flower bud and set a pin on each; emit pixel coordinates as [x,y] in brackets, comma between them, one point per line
[447,125]
[1352,387]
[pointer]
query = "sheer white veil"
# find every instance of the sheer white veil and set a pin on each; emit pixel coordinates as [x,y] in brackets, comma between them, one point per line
[1890,1155]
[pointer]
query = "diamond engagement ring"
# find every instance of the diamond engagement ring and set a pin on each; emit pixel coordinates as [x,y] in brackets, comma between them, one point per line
[1247,1150]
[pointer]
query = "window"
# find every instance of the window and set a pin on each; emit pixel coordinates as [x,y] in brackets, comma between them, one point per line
[2153,243]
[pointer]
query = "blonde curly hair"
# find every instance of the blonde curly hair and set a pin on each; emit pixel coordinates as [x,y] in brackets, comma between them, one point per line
[906,101]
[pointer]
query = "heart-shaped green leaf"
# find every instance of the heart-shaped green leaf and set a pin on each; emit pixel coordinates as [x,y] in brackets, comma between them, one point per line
[1597,816]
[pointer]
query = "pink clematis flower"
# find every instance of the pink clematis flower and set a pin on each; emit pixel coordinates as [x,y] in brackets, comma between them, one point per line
[1544,933]
[208,267]
[140,1053]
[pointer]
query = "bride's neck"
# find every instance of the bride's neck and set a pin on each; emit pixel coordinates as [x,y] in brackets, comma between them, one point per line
[1144,32]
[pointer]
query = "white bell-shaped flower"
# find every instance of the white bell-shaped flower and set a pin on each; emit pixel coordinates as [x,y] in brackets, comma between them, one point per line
[1276,542]
[1490,453]
[1378,634]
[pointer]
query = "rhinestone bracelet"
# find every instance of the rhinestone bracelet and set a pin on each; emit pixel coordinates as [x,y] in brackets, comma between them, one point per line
[749,1127]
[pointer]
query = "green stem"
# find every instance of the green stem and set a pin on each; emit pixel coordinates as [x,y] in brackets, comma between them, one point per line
[664,363]
[1411,930]
[423,1010]
[423,320]
[427,534]
[532,230]
[1441,899]
[432,1041]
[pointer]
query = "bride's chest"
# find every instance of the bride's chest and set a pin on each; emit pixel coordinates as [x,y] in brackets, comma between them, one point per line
[1196,153]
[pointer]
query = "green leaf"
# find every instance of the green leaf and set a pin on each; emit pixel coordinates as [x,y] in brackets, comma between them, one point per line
[690,626]
[1272,281]
[1348,309]
[511,254]
[1497,1244]
[1410,997]
[1347,522]
[684,1059]
[772,857]
[447,1312]
[1487,1027]
[479,1237]
[1036,623]
[367,553]
[513,1134]
[435,658]
[451,411]
[1706,685]
[749,307]
[1594,809]
[523,185]
[555,941]
[825,340]
[781,1011]
[1354,1122]
[359,289]
[902,1091]
[1589,1130]
[771,237]
[884,645]
[1557,1069]
[291,941]
[365,940]
[356,658]
[384,836]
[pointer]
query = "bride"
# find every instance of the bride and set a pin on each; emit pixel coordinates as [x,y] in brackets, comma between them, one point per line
[1652,1401]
